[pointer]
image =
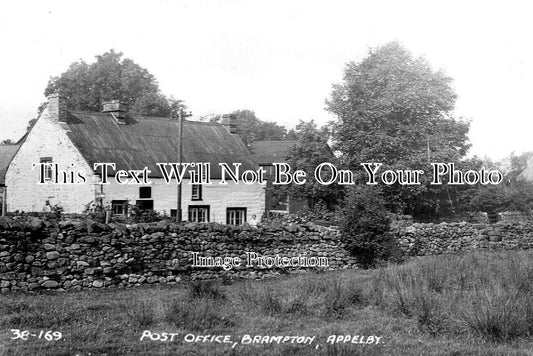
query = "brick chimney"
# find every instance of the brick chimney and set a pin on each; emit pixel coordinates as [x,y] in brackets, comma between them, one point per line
[57,108]
[230,122]
[117,109]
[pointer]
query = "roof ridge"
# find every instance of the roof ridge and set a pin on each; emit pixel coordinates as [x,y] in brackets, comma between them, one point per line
[292,141]
[150,139]
[146,117]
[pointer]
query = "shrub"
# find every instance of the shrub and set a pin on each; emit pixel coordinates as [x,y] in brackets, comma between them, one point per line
[138,215]
[366,225]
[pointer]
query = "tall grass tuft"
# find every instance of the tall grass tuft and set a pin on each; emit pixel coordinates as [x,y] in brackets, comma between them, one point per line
[340,295]
[197,314]
[205,289]
[141,313]
[486,295]
[324,297]
[260,297]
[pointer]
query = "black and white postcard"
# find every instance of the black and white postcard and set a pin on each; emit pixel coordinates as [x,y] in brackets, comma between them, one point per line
[238,177]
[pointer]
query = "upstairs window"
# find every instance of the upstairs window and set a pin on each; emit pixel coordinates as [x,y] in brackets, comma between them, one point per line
[145,202]
[196,192]
[47,167]
[145,192]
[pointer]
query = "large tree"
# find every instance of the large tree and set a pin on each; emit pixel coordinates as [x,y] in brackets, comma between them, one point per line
[395,109]
[86,86]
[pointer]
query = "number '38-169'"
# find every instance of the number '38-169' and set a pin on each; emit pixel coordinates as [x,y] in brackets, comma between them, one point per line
[48,335]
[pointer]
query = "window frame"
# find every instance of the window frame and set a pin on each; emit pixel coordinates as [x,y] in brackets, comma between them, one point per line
[233,221]
[143,190]
[207,209]
[47,168]
[198,195]
[123,204]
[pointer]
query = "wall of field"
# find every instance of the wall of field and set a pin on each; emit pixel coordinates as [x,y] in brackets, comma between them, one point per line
[38,253]
[434,239]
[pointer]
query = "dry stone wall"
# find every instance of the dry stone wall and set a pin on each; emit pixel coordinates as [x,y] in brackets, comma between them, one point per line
[78,253]
[435,239]
[37,254]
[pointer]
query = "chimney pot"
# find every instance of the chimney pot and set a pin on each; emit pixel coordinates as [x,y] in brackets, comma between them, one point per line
[114,106]
[117,109]
[230,122]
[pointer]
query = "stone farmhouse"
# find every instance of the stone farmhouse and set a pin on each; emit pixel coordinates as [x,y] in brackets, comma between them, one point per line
[71,141]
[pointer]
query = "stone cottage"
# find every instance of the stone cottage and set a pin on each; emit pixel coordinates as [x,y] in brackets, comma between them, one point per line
[63,143]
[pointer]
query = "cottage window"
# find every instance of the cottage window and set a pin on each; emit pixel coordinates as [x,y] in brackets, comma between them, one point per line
[197,188]
[196,192]
[199,213]
[119,207]
[47,167]
[235,216]
[145,192]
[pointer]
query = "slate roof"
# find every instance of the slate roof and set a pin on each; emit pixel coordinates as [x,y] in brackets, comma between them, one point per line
[145,141]
[268,152]
[6,155]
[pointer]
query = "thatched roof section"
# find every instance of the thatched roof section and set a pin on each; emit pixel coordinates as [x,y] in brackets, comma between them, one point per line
[145,141]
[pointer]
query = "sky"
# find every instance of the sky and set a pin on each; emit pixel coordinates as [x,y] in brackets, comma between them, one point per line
[277,58]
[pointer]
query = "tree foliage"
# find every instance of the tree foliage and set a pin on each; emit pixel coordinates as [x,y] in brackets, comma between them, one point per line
[515,193]
[86,86]
[394,109]
[517,165]
[310,150]
[157,105]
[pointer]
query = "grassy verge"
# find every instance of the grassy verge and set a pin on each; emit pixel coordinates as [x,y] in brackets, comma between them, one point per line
[476,304]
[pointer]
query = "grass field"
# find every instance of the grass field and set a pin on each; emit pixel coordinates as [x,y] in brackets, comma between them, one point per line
[476,304]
